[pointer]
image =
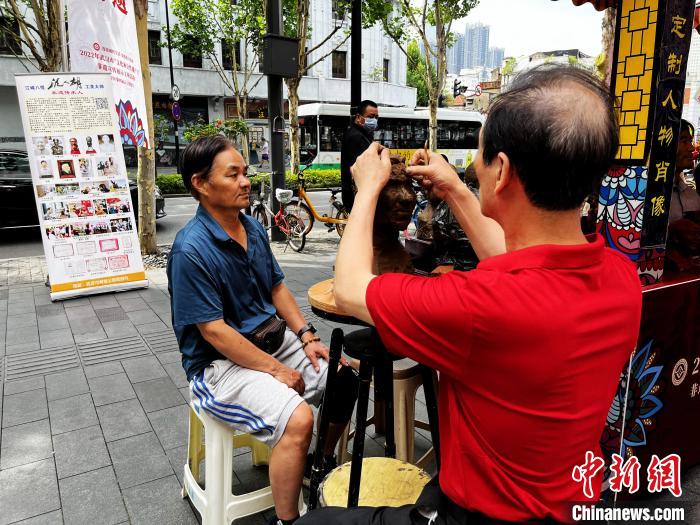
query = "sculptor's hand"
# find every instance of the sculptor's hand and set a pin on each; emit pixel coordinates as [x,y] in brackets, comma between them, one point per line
[434,173]
[372,169]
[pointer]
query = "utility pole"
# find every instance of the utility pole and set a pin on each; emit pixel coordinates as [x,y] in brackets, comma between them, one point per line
[356,57]
[172,84]
[275,112]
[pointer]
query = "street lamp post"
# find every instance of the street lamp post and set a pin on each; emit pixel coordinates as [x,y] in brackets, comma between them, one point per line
[172,83]
[356,57]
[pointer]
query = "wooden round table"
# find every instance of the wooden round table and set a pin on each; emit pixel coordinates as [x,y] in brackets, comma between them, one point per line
[322,301]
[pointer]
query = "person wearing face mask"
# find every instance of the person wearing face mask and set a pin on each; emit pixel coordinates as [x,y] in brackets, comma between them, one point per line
[358,137]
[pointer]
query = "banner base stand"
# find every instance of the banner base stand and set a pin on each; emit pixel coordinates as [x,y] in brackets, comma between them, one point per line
[82,292]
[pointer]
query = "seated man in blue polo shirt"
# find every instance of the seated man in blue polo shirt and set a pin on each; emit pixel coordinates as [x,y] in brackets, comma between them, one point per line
[252,360]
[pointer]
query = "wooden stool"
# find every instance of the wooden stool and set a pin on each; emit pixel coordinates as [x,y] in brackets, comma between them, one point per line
[385,482]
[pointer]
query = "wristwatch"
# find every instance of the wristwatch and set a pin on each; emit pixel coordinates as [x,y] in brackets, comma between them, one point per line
[308,327]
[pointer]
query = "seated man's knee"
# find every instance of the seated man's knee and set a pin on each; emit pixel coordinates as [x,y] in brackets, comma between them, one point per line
[300,424]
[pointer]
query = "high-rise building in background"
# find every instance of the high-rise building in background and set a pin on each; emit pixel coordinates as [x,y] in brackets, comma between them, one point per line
[471,50]
[476,45]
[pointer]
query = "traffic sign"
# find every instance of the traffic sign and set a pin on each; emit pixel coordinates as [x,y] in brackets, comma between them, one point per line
[177,111]
[175,93]
[477,90]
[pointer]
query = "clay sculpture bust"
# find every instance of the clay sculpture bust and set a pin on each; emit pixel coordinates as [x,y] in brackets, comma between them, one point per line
[394,210]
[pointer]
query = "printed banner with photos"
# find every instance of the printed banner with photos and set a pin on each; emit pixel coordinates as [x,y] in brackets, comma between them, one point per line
[82,191]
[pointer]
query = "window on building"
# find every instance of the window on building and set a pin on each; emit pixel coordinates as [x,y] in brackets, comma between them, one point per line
[155,55]
[194,58]
[9,45]
[340,59]
[226,60]
[385,72]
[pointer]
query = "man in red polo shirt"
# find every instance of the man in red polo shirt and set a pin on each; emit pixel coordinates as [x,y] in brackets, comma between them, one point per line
[530,344]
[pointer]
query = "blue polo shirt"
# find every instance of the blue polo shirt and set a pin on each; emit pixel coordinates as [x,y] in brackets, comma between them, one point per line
[211,277]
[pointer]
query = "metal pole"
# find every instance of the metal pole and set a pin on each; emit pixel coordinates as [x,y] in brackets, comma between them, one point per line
[275,113]
[172,83]
[356,57]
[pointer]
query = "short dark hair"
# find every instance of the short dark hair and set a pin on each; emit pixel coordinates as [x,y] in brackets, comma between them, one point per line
[687,126]
[558,127]
[364,105]
[198,158]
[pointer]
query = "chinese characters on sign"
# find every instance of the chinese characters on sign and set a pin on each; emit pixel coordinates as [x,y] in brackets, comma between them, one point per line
[670,81]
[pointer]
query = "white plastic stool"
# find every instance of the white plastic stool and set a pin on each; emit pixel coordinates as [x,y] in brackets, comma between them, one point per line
[216,502]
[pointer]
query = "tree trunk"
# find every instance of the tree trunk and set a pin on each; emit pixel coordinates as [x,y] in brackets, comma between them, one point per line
[432,135]
[608,30]
[293,97]
[52,48]
[145,174]
[245,143]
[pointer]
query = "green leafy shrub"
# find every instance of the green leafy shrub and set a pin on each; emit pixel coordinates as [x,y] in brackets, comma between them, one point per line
[315,178]
[170,184]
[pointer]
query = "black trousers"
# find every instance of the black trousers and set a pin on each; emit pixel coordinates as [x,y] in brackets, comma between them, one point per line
[432,499]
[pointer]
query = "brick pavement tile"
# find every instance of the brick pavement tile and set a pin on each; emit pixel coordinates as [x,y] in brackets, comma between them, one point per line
[27,491]
[103,301]
[110,389]
[92,498]
[22,320]
[158,502]
[24,408]
[80,451]
[133,304]
[153,294]
[85,325]
[12,349]
[55,338]
[146,316]
[139,459]
[166,319]
[169,357]
[170,425]
[72,413]
[177,374]
[178,457]
[48,310]
[76,302]
[122,419]
[185,391]
[43,299]
[107,315]
[88,337]
[21,295]
[66,384]
[158,394]
[50,518]
[53,322]
[26,443]
[161,307]
[80,312]
[143,368]
[22,335]
[4,293]
[24,385]
[119,328]
[103,369]
[20,307]
[151,328]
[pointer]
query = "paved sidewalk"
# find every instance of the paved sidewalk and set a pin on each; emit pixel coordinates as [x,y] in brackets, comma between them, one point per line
[93,401]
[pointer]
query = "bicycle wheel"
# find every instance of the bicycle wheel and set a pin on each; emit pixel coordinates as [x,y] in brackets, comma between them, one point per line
[260,215]
[341,214]
[296,238]
[301,210]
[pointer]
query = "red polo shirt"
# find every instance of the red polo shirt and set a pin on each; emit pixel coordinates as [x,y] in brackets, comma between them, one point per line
[530,346]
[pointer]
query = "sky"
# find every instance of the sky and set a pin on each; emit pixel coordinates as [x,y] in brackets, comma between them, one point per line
[523,27]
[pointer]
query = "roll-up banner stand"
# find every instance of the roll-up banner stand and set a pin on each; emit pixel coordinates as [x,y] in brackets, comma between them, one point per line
[80,183]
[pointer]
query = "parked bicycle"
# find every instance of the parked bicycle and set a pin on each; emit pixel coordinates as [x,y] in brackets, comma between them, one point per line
[285,219]
[305,210]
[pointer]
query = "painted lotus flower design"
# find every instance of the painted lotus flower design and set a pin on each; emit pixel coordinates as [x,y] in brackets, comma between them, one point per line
[130,125]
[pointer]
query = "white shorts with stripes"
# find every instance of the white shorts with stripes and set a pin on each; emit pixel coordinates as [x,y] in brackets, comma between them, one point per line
[255,402]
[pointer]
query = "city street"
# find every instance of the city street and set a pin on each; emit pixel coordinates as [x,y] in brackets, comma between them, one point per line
[26,242]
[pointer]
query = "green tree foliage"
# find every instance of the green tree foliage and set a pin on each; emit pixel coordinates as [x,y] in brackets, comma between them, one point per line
[206,26]
[33,25]
[405,19]
[416,73]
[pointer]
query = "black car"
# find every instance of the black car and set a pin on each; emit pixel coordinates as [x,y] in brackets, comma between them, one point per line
[17,199]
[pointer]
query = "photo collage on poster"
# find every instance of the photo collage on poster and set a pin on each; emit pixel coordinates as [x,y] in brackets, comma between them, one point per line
[83,192]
